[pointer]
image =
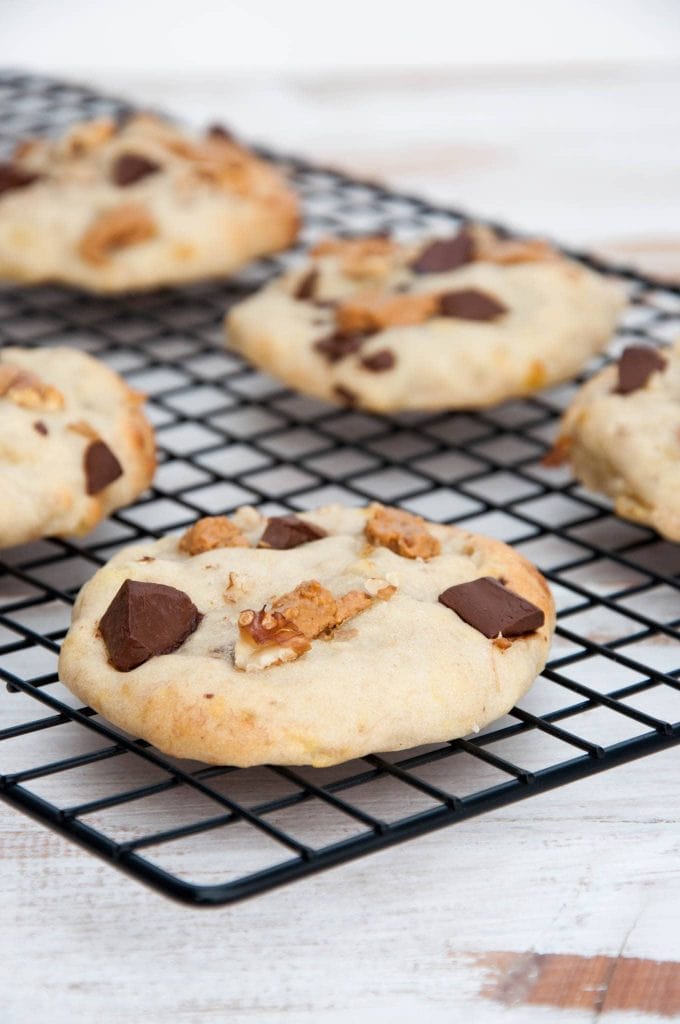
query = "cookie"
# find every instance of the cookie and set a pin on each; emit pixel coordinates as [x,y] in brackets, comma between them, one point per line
[74,443]
[622,436]
[453,323]
[308,639]
[123,207]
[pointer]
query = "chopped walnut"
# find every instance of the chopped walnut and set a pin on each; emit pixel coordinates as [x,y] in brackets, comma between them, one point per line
[362,257]
[26,389]
[267,638]
[373,311]
[401,532]
[379,588]
[489,247]
[212,532]
[235,586]
[116,228]
[83,428]
[295,619]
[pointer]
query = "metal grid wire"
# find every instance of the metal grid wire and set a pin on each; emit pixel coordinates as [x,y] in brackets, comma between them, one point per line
[228,435]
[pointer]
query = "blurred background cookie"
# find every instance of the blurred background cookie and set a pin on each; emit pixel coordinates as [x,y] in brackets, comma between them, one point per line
[74,443]
[125,206]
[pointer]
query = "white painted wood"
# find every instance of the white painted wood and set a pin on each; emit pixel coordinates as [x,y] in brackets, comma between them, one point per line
[589,869]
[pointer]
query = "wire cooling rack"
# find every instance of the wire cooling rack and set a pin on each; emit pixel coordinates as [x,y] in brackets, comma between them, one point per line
[227,436]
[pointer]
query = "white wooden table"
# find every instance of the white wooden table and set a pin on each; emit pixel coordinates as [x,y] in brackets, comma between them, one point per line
[570,900]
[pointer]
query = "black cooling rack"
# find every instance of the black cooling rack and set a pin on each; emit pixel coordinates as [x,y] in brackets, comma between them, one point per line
[228,435]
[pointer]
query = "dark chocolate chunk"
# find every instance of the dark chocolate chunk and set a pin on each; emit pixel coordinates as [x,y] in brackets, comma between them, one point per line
[218,131]
[305,289]
[379,361]
[130,168]
[491,608]
[470,304]
[41,428]
[636,365]
[12,176]
[345,395]
[445,254]
[101,467]
[284,532]
[338,345]
[145,620]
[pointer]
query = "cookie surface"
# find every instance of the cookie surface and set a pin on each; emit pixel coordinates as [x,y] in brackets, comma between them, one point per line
[451,324]
[74,443]
[356,639]
[622,436]
[134,206]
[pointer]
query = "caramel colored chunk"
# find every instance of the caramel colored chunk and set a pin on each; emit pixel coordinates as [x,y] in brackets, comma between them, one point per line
[294,620]
[27,389]
[373,311]
[401,532]
[489,247]
[87,136]
[311,608]
[371,258]
[117,228]
[267,638]
[212,532]
[352,603]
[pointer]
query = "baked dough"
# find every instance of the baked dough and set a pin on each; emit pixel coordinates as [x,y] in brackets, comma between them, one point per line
[627,445]
[397,669]
[379,325]
[68,426]
[114,208]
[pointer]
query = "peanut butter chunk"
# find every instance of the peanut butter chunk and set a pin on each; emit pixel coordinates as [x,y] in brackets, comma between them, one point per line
[401,532]
[374,311]
[212,532]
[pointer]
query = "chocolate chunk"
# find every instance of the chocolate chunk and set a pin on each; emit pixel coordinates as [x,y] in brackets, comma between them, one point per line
[131,168]
[218,131]
[491,608]
[284,532]
[305,289]
[101,467]
[145,620]
[12,176]
[338,345]
[41,428]
[470,304]
[636,365]
[345,395]
[445,254]
[379,361]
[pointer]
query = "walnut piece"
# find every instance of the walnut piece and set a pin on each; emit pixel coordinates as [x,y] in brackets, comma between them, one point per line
[489,247]
[26,389]
[373,257]
[212,532]
[374,310]
[127,224]
[295,619]
[267,638]
[401,532]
